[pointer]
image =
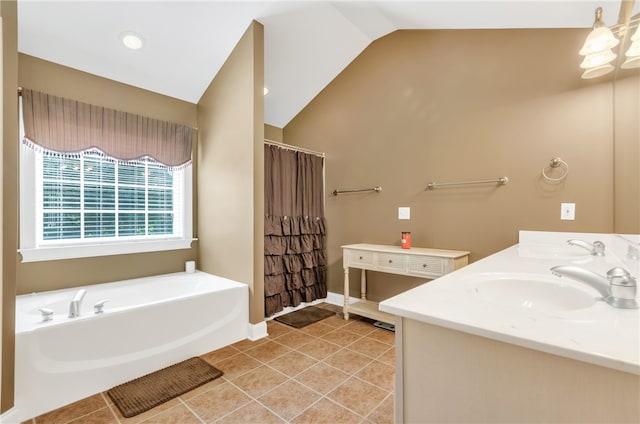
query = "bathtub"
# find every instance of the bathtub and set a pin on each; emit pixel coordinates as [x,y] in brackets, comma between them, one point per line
[147,324]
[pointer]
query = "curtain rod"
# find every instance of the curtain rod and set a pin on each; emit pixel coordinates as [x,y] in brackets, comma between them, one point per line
[290,147]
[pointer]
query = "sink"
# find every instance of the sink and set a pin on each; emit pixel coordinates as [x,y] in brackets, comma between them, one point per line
[552,251]
[549,294]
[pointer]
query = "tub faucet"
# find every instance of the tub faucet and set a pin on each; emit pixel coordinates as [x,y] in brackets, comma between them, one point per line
[618,288]
[74,306]
[596,248]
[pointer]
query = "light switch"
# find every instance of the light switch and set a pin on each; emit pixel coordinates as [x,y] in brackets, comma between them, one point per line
[568,211]
[404,213]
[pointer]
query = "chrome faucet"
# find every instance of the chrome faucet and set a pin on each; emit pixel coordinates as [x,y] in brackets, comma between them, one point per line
[74,306]
[618,288]
[596,248]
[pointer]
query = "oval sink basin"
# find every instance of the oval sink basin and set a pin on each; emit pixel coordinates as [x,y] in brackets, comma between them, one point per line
[531,292]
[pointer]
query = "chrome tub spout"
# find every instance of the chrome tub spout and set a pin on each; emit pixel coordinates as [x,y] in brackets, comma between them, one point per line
[74,306]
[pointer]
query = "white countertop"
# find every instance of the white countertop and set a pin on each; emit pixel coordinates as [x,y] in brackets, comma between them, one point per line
[599,334]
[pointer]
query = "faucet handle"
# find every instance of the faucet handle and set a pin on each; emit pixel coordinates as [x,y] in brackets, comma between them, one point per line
[47,314]
[617,272]
[623,288]
[98,307]
[598,248]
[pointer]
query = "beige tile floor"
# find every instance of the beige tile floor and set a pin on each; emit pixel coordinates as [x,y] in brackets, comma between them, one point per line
[333,371]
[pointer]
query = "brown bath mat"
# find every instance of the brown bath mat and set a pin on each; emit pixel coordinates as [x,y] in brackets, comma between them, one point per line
[151,390]
[303,317]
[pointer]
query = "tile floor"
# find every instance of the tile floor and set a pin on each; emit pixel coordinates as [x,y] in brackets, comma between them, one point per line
[333,371]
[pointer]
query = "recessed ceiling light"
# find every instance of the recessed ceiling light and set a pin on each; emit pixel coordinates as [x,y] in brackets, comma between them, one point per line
[132,40]
[266,91]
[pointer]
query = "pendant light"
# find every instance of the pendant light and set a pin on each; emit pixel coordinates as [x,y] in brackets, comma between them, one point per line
[633,53]
[597,49]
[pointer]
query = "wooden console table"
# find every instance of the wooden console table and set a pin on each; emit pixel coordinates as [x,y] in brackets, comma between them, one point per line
[413,262]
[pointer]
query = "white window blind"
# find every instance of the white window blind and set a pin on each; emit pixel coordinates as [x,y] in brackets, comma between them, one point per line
[96,198]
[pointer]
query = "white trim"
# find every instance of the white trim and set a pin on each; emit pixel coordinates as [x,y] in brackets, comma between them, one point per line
[257,331]
[295,308]
[11,416]
[106,249]
[332,299]
[338,299]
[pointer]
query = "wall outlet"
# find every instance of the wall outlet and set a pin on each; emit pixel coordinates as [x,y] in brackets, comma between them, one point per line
[404,213]
[568,211]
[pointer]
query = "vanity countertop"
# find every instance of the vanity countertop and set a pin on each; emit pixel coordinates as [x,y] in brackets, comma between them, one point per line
[595,333]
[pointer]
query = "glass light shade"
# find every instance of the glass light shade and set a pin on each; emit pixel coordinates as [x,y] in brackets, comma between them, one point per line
[597,71]
[598,40]
[636,35]
[633,50]
[632,62]
[597,59]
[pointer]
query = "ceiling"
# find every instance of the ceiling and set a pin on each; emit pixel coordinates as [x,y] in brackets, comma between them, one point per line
[307,43]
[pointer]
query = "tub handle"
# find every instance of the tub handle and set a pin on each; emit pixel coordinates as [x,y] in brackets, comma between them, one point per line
[98,308]
[47,314]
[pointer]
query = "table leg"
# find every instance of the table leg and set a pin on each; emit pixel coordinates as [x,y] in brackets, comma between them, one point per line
[345,308]
[363,285]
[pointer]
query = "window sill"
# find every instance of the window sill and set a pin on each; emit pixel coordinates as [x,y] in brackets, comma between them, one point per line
[106,249]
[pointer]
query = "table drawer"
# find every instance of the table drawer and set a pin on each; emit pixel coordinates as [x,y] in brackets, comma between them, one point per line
[426,265]
[361,257]
[391,261]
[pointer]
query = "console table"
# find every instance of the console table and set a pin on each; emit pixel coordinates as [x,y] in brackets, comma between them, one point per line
[413,262]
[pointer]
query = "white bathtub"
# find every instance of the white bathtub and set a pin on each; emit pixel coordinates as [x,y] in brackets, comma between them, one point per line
[148,323]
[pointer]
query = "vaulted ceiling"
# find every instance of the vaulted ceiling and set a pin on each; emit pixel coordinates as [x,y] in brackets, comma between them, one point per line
[307,43]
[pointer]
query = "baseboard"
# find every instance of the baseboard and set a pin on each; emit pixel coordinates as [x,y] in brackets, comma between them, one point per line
[257,331]
[338,299]
[332,299]
[12,416]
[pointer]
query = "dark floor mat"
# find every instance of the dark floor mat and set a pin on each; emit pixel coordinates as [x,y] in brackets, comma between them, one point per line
[303,317]
[151,390]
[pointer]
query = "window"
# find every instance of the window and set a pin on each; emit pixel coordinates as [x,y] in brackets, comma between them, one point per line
[96,198]
[93,205]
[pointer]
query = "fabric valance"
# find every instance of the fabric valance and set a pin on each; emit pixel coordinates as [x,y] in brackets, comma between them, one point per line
[64,126]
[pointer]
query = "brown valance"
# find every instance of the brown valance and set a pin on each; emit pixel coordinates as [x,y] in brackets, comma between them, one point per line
[64,126]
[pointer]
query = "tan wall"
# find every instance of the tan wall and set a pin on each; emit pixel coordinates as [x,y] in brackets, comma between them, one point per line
[467,378]
[627,155]
[273,133]
[421,106]
[9,180]
[230,170]
[62,81]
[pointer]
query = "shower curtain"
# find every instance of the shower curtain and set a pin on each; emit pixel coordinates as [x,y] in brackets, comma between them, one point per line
[294,232]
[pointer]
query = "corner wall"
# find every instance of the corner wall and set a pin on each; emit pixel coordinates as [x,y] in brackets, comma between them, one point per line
[8,10]
[231,170]
[456,105]
[627,155]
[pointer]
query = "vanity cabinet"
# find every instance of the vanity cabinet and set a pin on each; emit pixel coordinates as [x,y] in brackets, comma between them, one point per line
[413,262]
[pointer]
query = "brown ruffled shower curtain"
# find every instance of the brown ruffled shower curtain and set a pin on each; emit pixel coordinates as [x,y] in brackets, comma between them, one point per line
[294,232]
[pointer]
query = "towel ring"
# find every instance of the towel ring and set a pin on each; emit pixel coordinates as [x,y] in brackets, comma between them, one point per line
[555,163]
